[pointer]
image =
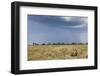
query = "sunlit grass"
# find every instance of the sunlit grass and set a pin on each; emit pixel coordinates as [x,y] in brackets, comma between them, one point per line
[57,52]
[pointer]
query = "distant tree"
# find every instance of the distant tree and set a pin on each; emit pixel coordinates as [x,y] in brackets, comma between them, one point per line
[58,43]
[73,43]
[81,43]
[49,44]
[86,43]
[35,44]
[63,43]
[53,43]
[43,44]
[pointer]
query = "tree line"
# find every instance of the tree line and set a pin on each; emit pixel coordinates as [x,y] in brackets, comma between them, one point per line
[60,43]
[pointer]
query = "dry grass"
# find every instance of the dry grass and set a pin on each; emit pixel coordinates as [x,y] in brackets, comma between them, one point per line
[54,52]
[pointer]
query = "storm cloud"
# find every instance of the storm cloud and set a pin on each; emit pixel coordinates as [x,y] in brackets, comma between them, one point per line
[68,29]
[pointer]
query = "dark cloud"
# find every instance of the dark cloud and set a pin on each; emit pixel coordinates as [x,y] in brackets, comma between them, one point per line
[59,21]
[44,29]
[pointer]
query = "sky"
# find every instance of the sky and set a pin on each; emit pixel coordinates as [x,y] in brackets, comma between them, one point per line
[54,29]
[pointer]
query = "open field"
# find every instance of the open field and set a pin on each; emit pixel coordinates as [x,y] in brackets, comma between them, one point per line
[57,52]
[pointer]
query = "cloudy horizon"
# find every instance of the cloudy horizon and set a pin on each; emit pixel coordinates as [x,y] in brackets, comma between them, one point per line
[54,29]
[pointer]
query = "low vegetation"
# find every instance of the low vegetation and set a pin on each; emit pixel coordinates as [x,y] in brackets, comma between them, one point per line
[57,52]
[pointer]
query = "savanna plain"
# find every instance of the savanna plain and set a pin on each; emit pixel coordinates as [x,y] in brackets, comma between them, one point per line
[57,52]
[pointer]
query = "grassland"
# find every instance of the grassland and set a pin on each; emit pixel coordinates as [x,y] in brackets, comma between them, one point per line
[57,52]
